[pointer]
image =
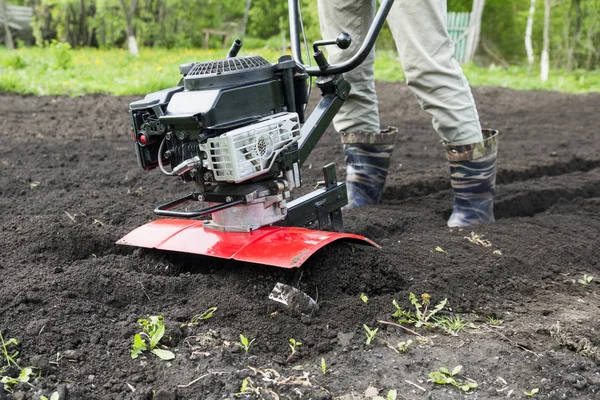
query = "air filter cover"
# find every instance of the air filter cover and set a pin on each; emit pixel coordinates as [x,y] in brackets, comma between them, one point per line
[235,71]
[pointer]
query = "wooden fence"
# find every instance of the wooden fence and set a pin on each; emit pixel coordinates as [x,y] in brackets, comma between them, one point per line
[458,27]
[19,18]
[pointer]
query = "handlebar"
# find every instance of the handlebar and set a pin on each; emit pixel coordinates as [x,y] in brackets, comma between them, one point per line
[347,65]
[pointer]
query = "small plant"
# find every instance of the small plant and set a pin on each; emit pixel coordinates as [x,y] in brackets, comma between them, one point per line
[53,396]
[294,344]
[245,343]
[450,325]
[533,391]
[438,249]
[323,366]
[148,339]
[9,355]
[422,314]
[392,394]
[478,240]
[364,298]
[403,346]
[494,321]
[370,333]
[586,280]
[10,383]
[200,317]
[445,377]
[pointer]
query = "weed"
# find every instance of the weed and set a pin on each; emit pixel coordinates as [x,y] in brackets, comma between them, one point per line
[148,339]
[364,298]
[450,325]
[422,314]
[200,317]
[245,343]
[294,344]
[323,366]
[8,355]
[497,252]
[24,376]
[392,394]
[533,391]
[478,240]
[370,333]
[403,346]
[494,321]
[445,377]
[53,396]
[586,280]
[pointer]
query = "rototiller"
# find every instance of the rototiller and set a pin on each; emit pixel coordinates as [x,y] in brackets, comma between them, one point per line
[236,130]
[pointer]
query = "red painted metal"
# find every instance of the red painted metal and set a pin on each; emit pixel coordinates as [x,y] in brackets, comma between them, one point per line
[286,247]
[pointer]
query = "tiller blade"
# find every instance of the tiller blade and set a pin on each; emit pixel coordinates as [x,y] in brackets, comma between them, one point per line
[285,247]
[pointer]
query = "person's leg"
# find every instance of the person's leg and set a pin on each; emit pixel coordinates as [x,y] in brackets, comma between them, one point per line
[436,79]
[433,75]
[367,149]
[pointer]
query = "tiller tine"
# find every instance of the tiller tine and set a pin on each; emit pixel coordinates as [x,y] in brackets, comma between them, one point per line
[285,247]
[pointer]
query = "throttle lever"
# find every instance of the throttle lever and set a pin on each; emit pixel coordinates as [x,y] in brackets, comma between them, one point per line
[343,41]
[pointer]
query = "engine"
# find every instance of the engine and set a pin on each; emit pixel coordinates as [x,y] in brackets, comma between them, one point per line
[230,127]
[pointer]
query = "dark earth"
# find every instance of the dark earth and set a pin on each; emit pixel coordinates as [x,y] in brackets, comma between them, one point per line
[70,188]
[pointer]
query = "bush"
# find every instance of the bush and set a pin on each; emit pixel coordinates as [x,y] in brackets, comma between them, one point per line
[14,61]
[62,55]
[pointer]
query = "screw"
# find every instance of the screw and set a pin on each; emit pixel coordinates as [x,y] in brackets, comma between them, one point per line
[169,136]
[201,197]
[229,199]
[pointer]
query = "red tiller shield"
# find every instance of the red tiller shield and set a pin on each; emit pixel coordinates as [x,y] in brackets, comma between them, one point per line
[286,247]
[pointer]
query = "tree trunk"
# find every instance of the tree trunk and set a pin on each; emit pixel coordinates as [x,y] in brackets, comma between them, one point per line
[528,30]
[474,29]
[545,65]
[245,18]
[129,11]
[7,35]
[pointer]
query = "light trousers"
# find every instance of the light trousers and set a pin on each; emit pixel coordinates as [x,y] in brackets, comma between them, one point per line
[427,56]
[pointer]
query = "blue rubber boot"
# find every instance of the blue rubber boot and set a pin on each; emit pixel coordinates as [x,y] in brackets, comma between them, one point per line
[473,178]
[367,158]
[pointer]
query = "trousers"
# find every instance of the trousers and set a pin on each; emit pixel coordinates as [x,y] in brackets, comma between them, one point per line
[427,56]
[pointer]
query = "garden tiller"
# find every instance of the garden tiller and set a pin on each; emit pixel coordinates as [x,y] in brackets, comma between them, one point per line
[236,130]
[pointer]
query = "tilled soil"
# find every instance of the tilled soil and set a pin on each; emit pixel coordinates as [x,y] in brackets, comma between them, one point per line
[70,187]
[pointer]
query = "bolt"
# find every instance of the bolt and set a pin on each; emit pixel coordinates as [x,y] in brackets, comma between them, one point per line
[207,176]
[229,199]
[201,197]
[169,136]
[181,135]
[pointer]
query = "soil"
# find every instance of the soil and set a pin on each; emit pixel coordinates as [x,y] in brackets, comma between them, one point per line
[70,187]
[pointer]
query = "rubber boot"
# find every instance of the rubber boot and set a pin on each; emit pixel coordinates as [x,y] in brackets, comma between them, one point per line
[367,158]
[473,179]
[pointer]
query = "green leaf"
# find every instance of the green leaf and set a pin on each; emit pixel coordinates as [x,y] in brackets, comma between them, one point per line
[445,370]
[439,249]
[158,334]
[138,346]
[439,378]
[25,374]
[364,298]
[392,394]
[55,396]
[456,370]
[164,354]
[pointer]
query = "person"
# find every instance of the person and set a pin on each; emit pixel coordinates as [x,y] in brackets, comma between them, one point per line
[436,79]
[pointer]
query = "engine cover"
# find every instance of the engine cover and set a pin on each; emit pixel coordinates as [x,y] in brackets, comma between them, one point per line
[250,151]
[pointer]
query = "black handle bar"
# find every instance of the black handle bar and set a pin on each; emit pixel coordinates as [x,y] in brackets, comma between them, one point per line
[347,65]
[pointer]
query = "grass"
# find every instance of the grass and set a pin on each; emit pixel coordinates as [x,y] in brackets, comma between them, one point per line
[58,70]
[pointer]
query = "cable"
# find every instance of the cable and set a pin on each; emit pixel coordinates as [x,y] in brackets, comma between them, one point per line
[160,165]
[306,47]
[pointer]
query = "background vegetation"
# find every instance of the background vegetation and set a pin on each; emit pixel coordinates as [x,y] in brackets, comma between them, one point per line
[78,46]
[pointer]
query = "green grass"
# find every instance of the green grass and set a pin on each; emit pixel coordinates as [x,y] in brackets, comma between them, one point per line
[60,70]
